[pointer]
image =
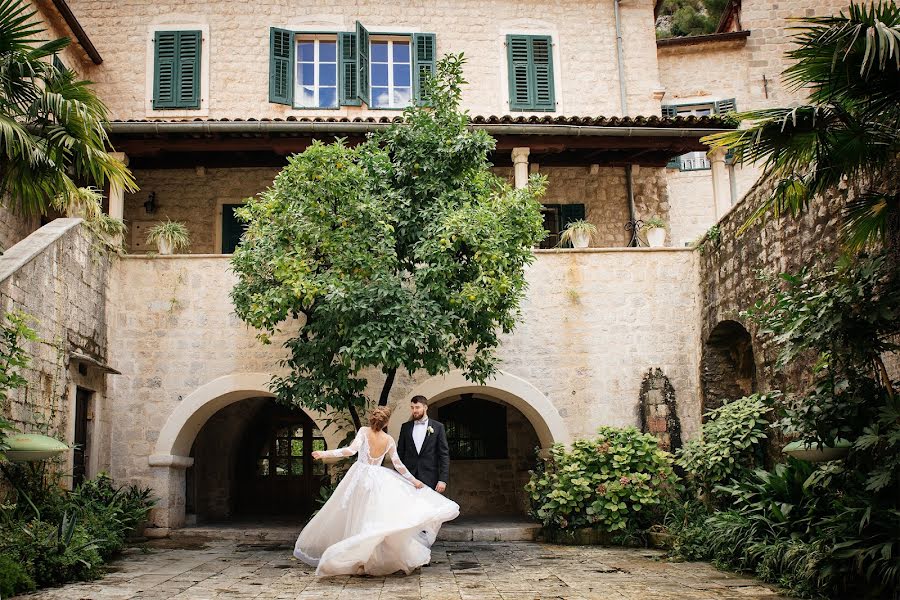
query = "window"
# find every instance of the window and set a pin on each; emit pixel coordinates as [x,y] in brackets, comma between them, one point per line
[556,217]
[530,67]
[349,68]
[287,454]
[391,72]
[317,67]
[176,74]
[232,228]
[695,161]
[476,428]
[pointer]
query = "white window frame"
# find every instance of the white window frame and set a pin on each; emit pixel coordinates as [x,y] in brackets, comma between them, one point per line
[390,39]
[317,38]
[186,25]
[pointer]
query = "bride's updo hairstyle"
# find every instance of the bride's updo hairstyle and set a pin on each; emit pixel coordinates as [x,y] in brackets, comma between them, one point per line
[379,417]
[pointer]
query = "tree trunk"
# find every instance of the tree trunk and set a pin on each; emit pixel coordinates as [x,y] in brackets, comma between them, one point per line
[386,389]
[355,416]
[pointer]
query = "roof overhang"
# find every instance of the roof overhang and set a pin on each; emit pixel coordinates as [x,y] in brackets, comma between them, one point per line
[693,40]
[81,36]
[553,141]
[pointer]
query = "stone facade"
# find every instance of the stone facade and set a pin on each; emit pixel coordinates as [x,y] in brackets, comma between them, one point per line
[15,227]
[56,276]
[237,40]
[195,197]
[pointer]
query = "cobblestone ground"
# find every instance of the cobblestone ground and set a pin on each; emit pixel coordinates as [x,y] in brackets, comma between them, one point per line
[463,571]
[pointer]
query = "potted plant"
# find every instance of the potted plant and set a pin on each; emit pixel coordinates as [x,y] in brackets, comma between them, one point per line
[655,230]
[169,237]
[578,233]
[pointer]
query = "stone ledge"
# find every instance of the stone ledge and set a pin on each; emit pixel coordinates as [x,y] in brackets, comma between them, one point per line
[170,460]
[35,244]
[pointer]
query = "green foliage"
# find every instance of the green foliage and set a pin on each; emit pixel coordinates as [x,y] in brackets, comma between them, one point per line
[680,18]
[172,232]
[578,226]
[52,125]
[711,237]
[14,577]
[403,252]
[654,223]
[729,444]
[850,66]
[14,331]
[607,482]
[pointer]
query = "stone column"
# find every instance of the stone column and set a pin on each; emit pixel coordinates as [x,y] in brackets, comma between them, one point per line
[721,185]
[167,475]
[116,193]
[520,166]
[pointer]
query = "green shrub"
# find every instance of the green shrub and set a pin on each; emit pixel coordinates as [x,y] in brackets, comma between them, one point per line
[605,482]
[14,577]
[730,443]
[110,513]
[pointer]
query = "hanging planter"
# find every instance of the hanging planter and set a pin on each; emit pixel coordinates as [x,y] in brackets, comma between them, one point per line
[811,452]
[27,447]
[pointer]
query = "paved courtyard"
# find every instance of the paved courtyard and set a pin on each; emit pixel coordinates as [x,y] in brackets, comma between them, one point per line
[201,569]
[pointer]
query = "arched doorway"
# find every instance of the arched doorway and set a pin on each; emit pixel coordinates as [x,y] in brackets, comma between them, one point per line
[728,369]
[492,448]
[253,459]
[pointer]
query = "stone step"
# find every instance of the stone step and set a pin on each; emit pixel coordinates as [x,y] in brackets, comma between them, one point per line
[456,531]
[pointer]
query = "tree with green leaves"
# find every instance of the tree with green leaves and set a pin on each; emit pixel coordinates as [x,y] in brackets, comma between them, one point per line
[52,126]
[847,133]
[405,252]
[680,18]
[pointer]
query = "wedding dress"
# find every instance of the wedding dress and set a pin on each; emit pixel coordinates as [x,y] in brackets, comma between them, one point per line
[376,522]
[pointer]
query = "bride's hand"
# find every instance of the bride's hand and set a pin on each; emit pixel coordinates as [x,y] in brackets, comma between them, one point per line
[419,485]
[317,455]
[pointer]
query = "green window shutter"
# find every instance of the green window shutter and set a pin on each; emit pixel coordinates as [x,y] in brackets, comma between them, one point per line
[519,56]
[165,57]
[725,106]
[232,228]
[362,63]
[531,85]
[281,66]
[542,73]
[425,45]
[176,69]
[187,91]
[675,163]
[669,110]
[349,95]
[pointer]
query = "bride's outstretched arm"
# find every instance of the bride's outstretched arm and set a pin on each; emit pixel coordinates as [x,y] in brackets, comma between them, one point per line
[400,467]
[350,450]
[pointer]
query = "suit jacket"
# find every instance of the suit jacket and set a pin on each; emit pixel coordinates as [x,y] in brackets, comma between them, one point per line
[432,463]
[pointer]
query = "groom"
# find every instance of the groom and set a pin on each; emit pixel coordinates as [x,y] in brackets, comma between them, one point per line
[422,446]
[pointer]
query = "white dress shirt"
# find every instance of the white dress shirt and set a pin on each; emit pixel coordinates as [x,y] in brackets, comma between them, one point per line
[420,430]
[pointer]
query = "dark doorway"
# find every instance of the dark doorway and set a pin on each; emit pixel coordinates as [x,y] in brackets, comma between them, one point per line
[275,473]
[79,462]
[728,369]
[232,228]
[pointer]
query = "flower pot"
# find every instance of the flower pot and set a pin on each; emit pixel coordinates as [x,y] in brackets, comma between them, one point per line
[813,453]
[165,246]
[659,539]
[581,239]
[656,237]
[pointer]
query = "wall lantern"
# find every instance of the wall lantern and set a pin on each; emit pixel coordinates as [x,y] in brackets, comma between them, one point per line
[150,204]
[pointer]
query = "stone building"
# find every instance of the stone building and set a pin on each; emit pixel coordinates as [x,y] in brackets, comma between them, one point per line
[144,363]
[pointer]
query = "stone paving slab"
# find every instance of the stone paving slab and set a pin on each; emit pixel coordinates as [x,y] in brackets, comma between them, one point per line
[223,569]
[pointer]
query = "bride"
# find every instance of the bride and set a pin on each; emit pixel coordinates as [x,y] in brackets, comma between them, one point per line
[378,521]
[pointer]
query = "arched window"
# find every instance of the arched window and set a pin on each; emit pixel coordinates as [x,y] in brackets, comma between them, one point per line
[476,428]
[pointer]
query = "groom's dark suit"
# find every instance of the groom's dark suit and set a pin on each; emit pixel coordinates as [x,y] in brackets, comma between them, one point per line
[432,463]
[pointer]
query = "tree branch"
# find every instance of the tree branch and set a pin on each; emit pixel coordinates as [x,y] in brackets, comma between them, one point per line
[386,389]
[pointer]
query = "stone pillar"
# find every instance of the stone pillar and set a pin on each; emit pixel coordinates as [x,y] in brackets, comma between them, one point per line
[721,185]
[520,166]
[116,193]
[167,475]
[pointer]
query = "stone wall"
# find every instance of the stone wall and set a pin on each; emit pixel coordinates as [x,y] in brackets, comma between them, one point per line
[57,277]
[15,227]
[594,322]
[238,47]
[195,197]
[728,270]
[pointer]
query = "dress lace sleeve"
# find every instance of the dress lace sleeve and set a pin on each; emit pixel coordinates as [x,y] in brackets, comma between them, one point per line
[398,464]
[350,450]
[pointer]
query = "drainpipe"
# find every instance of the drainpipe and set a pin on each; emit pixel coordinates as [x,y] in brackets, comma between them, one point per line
[623,99]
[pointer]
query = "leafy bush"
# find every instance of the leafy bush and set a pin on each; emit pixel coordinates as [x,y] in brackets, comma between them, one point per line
[729,444]
[605,482]
[14,577]
[110,513]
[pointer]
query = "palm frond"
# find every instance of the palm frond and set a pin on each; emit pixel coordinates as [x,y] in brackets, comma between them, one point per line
[866,219]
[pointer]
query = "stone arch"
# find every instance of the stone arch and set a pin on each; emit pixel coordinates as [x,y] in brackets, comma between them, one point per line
[728,366]
[530,401]
[183,425]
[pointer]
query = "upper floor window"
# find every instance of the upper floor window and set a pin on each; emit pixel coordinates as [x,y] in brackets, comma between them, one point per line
[696,161]
[176,70]
[530,68]
[349,68]
[317,68]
